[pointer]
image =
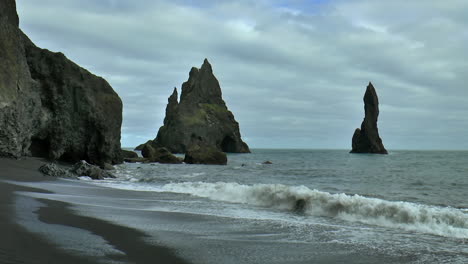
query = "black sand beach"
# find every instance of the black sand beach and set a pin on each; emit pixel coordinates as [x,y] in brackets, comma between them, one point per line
[18,245]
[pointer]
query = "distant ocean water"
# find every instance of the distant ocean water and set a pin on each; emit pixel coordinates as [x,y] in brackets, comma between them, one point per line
[309,206]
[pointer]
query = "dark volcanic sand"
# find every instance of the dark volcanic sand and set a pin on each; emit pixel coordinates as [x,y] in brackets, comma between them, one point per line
[20,246]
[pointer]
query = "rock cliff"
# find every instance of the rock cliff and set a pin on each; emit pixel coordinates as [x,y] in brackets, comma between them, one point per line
[201,113]
[367,139]
[49,106]
[19,98]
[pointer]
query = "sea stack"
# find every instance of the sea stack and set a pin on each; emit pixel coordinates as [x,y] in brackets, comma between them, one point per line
[201,113]
[49,106]
[367,139]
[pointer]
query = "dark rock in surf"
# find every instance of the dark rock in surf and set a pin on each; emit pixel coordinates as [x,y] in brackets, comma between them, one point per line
[140,147]
[51,169]
[299,206]
[367,139]
[49,106]
[82,168]
[202,113]
[201,153]
[108,167]
[267,162]
[126,154]
[161,155]
[136,160]
[148,151]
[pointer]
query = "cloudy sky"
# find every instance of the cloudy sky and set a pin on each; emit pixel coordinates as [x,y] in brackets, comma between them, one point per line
[293,72]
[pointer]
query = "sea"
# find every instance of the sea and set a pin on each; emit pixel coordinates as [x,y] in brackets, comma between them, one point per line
[308,206]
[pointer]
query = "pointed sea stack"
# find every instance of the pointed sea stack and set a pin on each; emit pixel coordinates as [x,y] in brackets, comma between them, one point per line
[367,139]
[201,113]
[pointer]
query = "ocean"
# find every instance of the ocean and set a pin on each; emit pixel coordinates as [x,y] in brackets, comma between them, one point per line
[308,206]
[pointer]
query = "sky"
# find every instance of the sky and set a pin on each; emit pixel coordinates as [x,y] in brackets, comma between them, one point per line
[293,72]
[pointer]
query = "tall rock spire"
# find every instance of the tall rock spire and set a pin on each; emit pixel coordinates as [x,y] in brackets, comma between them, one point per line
[367,139]
[202,87]
[202,114]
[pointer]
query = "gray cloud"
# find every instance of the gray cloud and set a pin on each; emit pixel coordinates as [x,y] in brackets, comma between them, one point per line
[293,73]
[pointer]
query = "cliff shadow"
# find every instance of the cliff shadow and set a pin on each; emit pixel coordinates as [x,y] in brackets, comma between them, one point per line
[228,145]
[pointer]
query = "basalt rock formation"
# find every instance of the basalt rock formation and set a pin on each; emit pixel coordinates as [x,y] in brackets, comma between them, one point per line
[126,154]
[367,139]
[199,152]
[19,98]
[161,155]
[201,113]
[81,168]
[49,106]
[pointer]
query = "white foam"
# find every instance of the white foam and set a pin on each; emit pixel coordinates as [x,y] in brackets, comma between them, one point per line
[449,222]
[85,178]
[442,221]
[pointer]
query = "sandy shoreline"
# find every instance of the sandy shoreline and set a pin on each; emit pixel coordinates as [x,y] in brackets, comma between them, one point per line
[18,245]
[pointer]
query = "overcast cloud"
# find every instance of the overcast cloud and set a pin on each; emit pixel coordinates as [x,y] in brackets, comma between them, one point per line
[292,72]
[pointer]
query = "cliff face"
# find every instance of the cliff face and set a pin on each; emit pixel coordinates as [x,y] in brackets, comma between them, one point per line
[51,107]
[8,12]
[201,113]
[19,98]
[367,139]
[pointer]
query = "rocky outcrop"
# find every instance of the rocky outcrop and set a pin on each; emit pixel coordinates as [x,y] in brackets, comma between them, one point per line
[51,169]
[367,139]
[202,113]
[126,154]
[161,155]
[49,106]
[207,155]
[81,168]
[141,146]
[199,152]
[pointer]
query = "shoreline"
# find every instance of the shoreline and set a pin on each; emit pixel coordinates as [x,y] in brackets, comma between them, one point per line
[18,245]
[126,221]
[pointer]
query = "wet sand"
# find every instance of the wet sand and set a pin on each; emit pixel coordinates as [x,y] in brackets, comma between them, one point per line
[18,245]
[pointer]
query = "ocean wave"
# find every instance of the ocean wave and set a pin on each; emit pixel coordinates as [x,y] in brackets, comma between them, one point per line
[443,221]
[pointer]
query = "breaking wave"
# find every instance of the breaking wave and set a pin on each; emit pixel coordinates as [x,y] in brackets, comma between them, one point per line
[443,221]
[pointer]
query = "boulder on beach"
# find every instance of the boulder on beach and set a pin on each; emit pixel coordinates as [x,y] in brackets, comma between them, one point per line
[82,168]
[79,169]
[51,169]
[49,106]
[201,112]
[367,139]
